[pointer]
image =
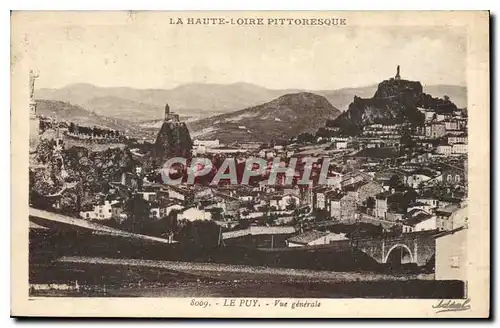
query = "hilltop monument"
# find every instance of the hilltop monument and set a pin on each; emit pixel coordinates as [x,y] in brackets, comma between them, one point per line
[398,76]
[34,119]
[170,116]
[167,112]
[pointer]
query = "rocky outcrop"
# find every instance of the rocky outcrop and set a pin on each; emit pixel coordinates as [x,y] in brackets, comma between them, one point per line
[395,101]
[172,140]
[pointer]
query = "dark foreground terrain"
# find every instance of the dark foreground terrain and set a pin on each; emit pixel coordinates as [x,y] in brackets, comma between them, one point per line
[205,280]
[76,265]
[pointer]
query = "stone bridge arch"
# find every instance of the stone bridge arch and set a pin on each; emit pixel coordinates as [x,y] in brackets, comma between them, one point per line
[420,246]
[404,246]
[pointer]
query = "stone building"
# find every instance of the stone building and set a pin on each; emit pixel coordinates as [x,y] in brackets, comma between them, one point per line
[348,208]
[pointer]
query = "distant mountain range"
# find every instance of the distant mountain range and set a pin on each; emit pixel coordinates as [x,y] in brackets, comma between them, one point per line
[199,100]
[279,119]
[191,100]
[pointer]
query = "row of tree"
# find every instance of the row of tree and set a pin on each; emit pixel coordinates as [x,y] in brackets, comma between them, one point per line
[94,131]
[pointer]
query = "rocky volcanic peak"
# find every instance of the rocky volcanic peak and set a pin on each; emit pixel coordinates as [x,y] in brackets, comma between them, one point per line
[172,140]
[407,91]
[395,101]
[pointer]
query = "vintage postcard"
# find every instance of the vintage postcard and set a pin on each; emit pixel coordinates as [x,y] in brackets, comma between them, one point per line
[250,164]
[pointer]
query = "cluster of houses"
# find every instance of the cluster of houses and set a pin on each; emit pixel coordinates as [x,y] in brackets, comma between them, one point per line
[389,197]
[161,200]
[442,134]
[368,181]
[449,129]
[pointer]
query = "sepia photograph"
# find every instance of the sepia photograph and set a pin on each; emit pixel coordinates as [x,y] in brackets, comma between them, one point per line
[246,160]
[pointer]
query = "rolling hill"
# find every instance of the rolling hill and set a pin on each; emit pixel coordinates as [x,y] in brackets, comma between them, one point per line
[63,111]
[279,119]
[128,109]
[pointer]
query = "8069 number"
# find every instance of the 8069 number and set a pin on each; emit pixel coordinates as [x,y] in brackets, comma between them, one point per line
[199,303]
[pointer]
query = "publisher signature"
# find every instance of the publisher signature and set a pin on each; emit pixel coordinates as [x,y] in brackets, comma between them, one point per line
[452,306]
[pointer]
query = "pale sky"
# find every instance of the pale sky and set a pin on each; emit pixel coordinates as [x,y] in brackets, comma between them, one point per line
[159,55]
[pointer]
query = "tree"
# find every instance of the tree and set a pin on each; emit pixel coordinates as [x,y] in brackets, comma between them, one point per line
[407,142]
[167,224]
[305,138]
[39,201]
[291,204]
[43,183]
[395,182]
[200,233]
[321,215]
[370,203]
[217,214]
[137,210]
[243,224]
[44,151]
[396,230]
[270,219]
[69,203]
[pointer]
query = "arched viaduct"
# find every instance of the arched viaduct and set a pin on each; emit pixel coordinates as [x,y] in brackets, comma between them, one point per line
[416,247]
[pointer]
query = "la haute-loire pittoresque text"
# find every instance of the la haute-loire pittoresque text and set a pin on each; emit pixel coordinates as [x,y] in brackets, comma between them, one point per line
[334,21]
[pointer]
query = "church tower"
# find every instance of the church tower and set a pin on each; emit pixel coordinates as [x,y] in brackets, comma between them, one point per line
[34,119]
[397,77]
[167,113]
[170,116]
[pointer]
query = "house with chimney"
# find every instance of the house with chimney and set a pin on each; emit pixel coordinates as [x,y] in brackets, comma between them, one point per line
[355,196]
[392,206]
[353,177]
[364,189]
